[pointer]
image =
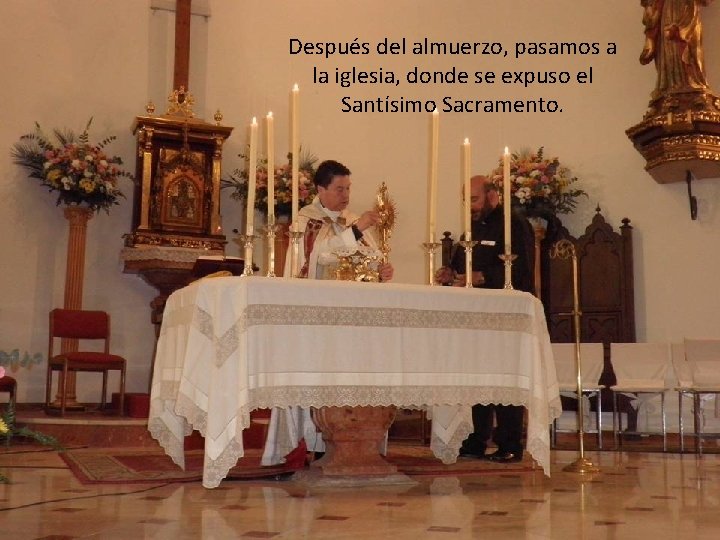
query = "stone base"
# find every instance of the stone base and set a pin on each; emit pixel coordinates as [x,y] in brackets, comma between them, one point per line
[314,478]
[353,437]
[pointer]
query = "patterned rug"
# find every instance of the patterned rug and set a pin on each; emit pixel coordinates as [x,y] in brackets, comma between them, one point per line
[140,466]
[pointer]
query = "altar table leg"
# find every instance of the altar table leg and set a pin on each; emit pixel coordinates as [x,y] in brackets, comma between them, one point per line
[353,437]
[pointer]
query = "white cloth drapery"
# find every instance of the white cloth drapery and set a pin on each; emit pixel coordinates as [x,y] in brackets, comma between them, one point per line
[231,345]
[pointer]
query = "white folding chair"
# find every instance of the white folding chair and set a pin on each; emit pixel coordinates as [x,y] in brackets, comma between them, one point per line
[591,359]
[683,375]
[703,358]
[640,369]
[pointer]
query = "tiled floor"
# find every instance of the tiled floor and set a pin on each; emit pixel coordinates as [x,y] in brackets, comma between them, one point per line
[637,495]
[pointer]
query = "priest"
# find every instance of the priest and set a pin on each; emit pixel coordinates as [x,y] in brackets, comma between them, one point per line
[327,226]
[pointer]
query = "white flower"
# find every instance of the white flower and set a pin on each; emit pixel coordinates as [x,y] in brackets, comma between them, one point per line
[103,162]
[523,194]
[89,157]
[75,163]
[46,165]
[534,173]
[67,183]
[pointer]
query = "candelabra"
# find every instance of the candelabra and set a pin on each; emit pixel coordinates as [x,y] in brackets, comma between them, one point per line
[508,259]
[430,249]
[468,245]
[270,231]
[564,249]
[248,241]
[295,237]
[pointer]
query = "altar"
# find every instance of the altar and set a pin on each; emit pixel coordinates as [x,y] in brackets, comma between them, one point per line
[230,345]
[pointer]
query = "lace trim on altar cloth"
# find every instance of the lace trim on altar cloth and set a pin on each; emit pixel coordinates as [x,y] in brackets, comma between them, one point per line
[214,471]
[226,344]
[383,396]
[278,314]
[172,445]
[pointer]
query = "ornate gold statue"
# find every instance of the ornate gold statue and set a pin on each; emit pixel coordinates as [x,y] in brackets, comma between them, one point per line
[673,39]
[678,135]
[385,206]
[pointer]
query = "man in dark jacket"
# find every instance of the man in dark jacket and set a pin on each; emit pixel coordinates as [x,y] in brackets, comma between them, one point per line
[488,271]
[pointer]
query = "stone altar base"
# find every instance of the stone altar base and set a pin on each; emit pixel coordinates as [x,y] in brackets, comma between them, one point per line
[353,438]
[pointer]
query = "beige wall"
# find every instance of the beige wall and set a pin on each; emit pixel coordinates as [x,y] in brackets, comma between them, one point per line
[79,58]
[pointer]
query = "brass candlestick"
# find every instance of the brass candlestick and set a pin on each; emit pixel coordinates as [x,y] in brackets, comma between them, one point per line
[468,245]
[564,249]
[430,249]
[248,241]
[295,237]
[270,231]
[508,259]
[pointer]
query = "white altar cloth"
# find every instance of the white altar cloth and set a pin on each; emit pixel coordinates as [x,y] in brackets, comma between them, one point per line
[230,345]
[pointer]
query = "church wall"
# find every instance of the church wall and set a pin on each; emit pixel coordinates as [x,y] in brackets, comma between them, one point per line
[77,59]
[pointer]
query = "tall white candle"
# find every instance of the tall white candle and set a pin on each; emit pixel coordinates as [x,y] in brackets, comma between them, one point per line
[433,173]
[270,142]
[252,174]
[295,149]
[507,200]
[465,168]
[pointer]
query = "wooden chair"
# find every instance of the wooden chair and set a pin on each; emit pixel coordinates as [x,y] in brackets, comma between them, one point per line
[9,385]
[82,325]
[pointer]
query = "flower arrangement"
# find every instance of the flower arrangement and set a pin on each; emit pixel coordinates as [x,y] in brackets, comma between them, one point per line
[238,182]
[80,172]
[539,186]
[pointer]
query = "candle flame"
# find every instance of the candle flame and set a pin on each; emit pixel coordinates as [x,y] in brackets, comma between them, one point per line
[254,121]
[296,88]
[269,115]
[467,141]
[507,151]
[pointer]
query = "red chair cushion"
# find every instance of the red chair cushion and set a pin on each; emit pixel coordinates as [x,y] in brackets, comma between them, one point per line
[88,358]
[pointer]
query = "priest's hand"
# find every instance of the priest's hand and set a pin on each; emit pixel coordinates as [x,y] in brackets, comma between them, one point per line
[386,272]
[368,219]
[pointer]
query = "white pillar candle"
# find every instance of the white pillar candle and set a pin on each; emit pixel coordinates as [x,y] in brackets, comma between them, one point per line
[507,200]
[270,142]
[433,173]
[252,174]
[465,172]
[295,149]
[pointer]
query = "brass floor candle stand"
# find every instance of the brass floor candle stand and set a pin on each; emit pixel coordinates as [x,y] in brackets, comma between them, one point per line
[468,245]
[508,259]
[564,249]
[270,231]
[248,241]
[295,237]
[430,249]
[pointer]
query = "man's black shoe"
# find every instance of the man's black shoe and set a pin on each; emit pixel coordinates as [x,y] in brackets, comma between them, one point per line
[471,454]
[505,457]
